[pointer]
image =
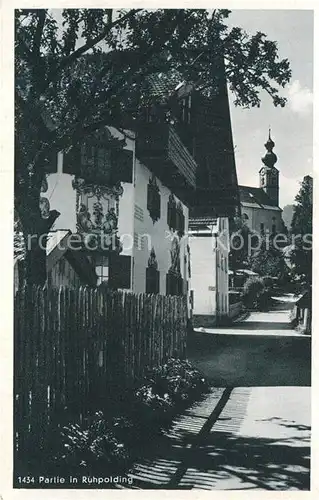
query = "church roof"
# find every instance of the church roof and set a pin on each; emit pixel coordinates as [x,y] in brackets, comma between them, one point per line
[255,195]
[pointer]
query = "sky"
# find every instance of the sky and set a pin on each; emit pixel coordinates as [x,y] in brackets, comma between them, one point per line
[292,126]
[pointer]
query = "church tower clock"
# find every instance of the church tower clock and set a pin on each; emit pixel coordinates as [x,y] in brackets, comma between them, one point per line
[268,174]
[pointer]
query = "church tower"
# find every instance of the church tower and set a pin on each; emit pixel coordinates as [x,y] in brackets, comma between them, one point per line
[268,174]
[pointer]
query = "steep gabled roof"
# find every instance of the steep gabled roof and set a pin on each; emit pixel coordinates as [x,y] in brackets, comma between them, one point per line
[255,195]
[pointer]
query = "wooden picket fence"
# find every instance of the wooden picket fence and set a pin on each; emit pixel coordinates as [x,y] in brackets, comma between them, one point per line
[72,345]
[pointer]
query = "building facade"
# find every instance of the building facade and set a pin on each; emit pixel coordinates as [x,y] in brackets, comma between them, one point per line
[129,212]
[209,249]
[216,202]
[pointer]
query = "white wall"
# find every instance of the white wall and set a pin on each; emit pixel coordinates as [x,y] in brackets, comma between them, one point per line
[133,220]
[223,251]
[158,234]
[62,197]
[257,215]
[210,254]
[126,218]
[203,274]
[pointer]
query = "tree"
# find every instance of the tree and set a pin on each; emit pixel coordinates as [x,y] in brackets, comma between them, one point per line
[268,260]
[301,229]
[287,214]
[87,68]
[239,244]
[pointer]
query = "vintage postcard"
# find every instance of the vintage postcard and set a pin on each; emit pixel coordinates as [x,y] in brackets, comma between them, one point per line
[162,257]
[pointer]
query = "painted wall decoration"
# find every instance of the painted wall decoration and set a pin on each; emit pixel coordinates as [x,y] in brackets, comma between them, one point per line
[97,190]
[99,231]
[152,262]
[152,274]
[175,257]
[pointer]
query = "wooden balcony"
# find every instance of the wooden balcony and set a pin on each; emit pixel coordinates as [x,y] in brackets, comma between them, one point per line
[160,148]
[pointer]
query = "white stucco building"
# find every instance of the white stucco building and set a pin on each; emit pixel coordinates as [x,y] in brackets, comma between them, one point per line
[141,213]
[209,249]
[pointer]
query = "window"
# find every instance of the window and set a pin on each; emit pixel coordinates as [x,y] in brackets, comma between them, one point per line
[222,262]
[226,265]
[101,263]
[245,217]
[262,228]
[273,229]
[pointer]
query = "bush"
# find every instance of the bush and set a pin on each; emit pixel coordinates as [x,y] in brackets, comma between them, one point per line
[264,300]
[177,380]
[114,437]
[254,287]
[234,297]
[92,446]
[268,281]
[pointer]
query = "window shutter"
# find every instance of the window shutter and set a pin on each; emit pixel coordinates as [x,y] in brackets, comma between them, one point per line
[149,198]
[122,165]
[157,205]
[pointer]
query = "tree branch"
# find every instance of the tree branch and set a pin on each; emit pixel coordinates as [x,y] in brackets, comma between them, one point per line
[42,13]
[52,77]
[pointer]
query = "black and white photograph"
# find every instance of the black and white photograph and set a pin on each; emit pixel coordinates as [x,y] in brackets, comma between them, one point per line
[162,248]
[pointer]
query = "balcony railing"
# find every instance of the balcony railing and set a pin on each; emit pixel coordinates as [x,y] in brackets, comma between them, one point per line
[159,146]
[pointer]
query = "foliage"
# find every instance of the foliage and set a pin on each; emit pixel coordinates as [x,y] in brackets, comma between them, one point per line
[301,229]
[18,240]
[268,281]
[115,435]
[78,70]
[93,445]
[268,260]
[257,293]
[239,238]
[234,297]
[177,380]
[253,288]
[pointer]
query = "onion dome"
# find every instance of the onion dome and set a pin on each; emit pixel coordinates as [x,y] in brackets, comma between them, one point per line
[270,158]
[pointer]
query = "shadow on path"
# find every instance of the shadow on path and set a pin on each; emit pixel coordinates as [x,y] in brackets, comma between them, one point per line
[226,461]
